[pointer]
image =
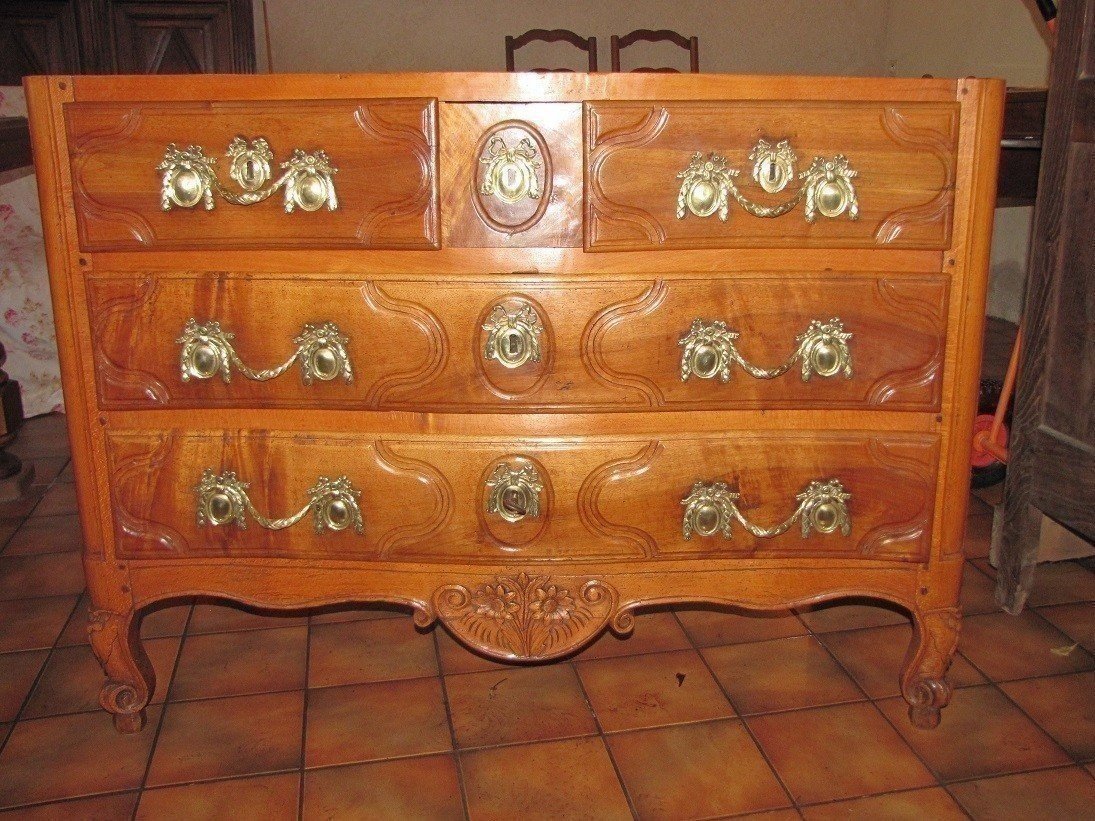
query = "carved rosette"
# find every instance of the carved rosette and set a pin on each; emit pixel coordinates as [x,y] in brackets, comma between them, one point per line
[527,617]
[922,681]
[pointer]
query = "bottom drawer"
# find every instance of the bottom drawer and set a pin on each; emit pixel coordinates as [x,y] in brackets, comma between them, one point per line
[490,500]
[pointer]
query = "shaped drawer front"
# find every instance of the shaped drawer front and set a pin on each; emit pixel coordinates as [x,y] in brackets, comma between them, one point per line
[758,174]
[511,175]
[280,174]
[822,341]
[317,495]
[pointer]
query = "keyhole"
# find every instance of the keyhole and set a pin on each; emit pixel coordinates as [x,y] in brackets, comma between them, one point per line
[771,171]
[514,344]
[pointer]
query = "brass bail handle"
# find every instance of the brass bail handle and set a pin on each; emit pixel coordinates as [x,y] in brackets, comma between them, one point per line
[206,350]
[827,186]
[709,350]
[222,500]
[710,508]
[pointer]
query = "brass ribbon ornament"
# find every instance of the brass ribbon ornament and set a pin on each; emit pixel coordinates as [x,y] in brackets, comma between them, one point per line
[188,177]
[711,507]
[223,500]
[827,185]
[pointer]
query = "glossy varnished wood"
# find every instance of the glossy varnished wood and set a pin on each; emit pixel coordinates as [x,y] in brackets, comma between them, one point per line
[606,345]
[619,438]
[384,150]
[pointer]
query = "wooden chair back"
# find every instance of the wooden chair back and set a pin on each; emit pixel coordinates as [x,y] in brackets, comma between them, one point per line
[690,44]
[586,44]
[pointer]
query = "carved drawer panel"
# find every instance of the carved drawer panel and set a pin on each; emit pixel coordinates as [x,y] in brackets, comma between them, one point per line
[511,175]
[744,174]
[822,341]
[303,174]
[479,500]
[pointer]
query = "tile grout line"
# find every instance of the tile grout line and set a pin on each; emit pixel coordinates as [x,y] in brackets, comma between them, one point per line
[452,729]
[40,674]
[744,723]
[604,739]
[163,715]
[303,718]
[923,761]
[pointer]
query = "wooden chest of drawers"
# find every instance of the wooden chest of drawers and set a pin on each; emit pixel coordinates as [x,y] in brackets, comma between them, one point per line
[523,353]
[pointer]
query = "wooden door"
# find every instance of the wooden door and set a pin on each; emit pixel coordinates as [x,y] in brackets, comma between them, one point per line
[1052,466]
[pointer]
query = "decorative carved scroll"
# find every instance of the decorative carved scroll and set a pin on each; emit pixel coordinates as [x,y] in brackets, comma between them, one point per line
[922,681]
[592,344]
[430,327]
[589,496]
[603,144]
[907,539]
[410,535]
[87,205]
[141,537]
[422,143]
[940,207]
[909,301]
[130,679]
[107,319]
[523,617]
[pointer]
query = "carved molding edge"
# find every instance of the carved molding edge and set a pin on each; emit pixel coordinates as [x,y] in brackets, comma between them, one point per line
[593,335]
[940,207]
[527,617]
[90,207]
[430,327]
[910,306]
[602,145]
[422,144]
[105,318]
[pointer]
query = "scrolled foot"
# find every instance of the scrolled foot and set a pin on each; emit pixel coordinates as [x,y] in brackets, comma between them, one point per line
[922,683]
[130,678]
[926,698]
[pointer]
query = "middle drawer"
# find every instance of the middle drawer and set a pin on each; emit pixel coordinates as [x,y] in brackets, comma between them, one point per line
[763,341]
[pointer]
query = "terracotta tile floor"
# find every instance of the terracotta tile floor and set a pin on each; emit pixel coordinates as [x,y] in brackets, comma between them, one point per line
[702,714]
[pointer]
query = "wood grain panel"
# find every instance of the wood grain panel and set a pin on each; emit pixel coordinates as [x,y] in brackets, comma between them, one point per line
[423,499]
[419,345]
[904,153]
[471,219]
[385,151]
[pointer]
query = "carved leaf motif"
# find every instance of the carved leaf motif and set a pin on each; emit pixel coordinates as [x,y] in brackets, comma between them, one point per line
[525,617]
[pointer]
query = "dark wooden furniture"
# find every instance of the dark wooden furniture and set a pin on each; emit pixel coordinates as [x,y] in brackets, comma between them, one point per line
[125,37]
[1021,146]
[689,44]
[541,365]
[586,44]
[1052,466]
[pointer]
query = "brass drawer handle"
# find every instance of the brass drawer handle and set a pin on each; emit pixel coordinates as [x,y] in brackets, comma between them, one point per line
[827,187]
[514,492]
[223,500]
[511,172]
[513,339]
[188,178]
[207,350]
[711,507]
[709,350]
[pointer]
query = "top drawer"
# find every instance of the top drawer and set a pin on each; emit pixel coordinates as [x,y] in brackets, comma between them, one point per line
[745,174]
[352,174]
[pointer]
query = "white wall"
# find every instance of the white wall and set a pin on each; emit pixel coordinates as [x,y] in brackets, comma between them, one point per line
[945,38]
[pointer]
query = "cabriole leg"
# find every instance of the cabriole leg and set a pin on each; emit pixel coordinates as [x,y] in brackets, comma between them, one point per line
[130,680]
[923,682]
